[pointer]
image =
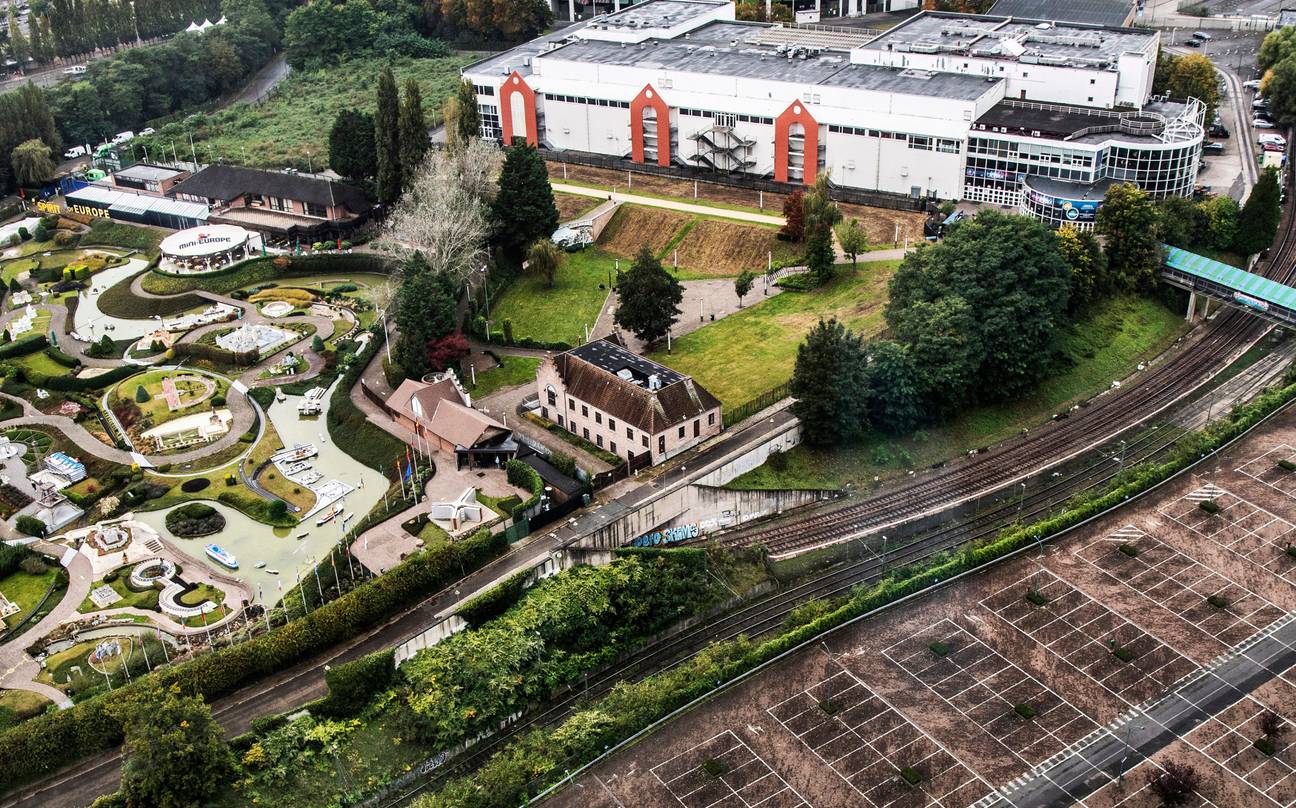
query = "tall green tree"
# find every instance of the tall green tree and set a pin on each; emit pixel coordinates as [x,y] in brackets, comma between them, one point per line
[352,151]
[425,313]
[895,400]
[1277,46]
[1084,255]
[942,339]
[1279,90]
[1129,222]
[1258,222]
[414,142]
[1008,271]
[543,259]
[1194,76]
[1183,222]
[319,34]
[1222,214]
[743,284]
[829,385]
[853,239]
[19,48]
[524,209]
[175,754]
[462,118]
[820,215]
[32,164]
[648,298]
[387,138]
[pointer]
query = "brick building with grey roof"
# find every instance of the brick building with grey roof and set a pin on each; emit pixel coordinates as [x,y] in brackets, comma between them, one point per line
[625,404]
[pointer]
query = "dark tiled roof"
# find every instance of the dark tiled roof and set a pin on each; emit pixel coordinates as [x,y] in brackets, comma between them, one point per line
[652,411]
[230,182]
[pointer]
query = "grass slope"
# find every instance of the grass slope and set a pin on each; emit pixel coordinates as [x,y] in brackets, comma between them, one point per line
[747,353]
[1104,346]
[513,370]
[294,122]
[558,313]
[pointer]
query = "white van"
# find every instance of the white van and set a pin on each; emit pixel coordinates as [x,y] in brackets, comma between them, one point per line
[1270,138]
[74,70]
[1252,84]
[122,137]
[76,151]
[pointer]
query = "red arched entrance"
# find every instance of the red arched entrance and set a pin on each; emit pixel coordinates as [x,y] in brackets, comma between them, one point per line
[787,160]
[650,101]
[515,90]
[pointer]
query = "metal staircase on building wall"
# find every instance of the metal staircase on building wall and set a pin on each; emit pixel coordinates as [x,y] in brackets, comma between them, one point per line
[725,150]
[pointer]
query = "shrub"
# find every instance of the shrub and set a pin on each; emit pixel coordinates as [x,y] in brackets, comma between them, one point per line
[110,576]
[1025,711]
[30,526]
[1209,506]
[12,556]
[777,461]
[141,395]
[713,768]
[911,775]
[940,649]
[24,233]
[278,510]
[1124,654]
[564,463]
[1286,465]
[1036,597]
[194,519]
[494,601]
[523,476]
[1265,746]
[352,684]
[194,485]
[64,238]
[1218,601]
[27,345]
[1129,550]
[33,565]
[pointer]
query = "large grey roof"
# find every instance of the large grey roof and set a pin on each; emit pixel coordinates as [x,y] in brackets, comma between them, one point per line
[1091,12]
[979,35]
[698,54]
[658,14]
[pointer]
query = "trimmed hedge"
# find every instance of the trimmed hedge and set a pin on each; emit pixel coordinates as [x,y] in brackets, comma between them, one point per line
[494,601]
[48,742]
[523,476]
[26,345]
[350,428]
[71,384]
[352,684]
[120,301]
[62,358]
[256,270]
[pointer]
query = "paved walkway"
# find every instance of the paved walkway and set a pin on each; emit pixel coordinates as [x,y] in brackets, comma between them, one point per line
[18,670]
[669,204]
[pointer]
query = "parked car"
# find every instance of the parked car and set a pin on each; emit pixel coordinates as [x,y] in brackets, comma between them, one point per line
[1251,84]
[74,70]
[1192,43]
[1213,148]
[1202,36]
[1219,130]
[147,131]
[75,151]
[122,137]
[1263,123]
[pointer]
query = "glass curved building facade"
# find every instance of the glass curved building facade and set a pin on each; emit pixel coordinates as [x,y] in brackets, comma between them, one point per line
[1054,162]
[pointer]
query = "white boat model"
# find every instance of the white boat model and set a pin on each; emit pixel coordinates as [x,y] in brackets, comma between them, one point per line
[279,395]
[260,565]
[303,534]
[297,453]
[222,557]
[328,516]
[273,572]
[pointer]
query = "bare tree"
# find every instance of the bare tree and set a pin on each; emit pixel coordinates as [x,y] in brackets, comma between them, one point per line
[445,212]
[1175,784]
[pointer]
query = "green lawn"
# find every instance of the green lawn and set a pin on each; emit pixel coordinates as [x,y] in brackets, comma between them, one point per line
[26,591]
[558,313]
[1103,347]
[145,599]
[41,363]
[17,706]
[291,127]
[191,394]
[747,353]
[513,370]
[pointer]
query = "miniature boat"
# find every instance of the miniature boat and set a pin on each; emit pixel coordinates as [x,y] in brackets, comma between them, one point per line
[222,557]
[328,516]
[303,534]
[273,572]
[298,452]
[260,564]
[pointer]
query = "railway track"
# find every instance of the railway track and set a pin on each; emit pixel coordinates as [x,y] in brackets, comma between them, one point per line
[967,485]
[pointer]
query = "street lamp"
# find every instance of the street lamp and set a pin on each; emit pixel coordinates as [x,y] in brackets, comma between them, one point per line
[1021,500]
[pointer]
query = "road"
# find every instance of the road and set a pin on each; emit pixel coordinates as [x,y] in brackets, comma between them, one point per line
[1144,731]
[260,85]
